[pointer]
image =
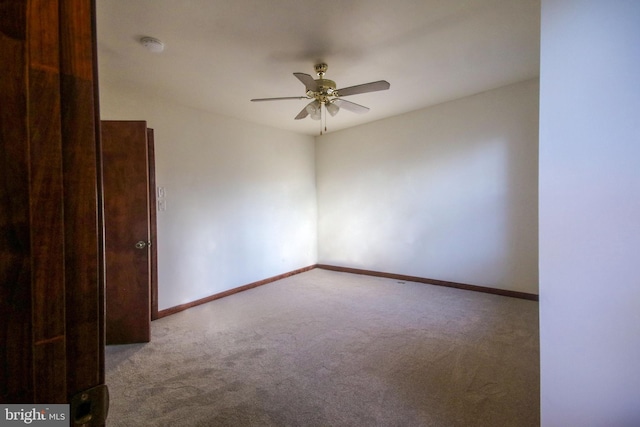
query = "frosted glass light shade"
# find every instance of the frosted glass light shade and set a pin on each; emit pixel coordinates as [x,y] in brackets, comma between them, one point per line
[332,108]
[314,110]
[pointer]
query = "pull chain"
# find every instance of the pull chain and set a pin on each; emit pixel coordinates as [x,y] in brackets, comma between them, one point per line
[323,119]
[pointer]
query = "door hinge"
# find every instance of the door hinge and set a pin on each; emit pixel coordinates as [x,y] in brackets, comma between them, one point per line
[90,407]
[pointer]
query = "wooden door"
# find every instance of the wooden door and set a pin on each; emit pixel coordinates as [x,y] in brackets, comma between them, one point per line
[127,231]
[51,253]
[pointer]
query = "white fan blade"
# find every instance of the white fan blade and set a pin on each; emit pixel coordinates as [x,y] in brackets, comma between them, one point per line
[278,99]
[303,113]
[351,106]
[311,108]
[307,81]
[364,88]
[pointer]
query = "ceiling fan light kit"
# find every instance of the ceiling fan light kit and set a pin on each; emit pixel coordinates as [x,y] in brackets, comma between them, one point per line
[324,92]
[332,108]
[314,110]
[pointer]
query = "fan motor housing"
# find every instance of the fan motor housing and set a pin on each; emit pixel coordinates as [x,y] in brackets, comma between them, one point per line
[325,90]
[325,86]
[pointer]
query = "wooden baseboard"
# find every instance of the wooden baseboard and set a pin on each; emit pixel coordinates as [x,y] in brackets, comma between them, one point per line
[503,292]
[173,310]
[515,294]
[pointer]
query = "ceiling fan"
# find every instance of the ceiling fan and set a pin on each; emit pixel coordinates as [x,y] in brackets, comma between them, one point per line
[323,92]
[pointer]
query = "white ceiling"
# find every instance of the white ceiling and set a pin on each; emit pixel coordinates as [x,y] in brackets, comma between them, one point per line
[221,53]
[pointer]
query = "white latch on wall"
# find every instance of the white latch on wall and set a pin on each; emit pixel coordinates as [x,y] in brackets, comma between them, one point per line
[162,202]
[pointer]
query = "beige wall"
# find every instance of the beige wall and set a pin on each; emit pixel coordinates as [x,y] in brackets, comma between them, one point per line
[241,202]
[448,192]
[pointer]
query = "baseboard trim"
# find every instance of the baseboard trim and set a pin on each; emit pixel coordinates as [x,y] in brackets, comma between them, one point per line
[495,291]
[178,308]
[514,294]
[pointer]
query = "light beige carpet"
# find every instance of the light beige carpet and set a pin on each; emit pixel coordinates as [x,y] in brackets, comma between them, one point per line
[324,348]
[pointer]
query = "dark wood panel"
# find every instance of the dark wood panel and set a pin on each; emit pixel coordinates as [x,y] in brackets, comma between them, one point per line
[47,232]
[77,41]
[49,221]
[46,197]
[13,20]
[16,375]
[50,362]
[44,43]
[83,253]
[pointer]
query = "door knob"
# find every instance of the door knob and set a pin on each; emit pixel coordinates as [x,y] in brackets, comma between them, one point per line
[141,244]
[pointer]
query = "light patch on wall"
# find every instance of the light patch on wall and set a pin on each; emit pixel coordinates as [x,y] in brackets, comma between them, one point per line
[446,193]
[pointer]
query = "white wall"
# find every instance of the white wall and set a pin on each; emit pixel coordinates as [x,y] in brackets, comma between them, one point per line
[590,213]
[241,202]
[448,192]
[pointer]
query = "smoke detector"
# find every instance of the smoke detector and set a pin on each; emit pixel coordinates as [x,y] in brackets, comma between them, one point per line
[152,44]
